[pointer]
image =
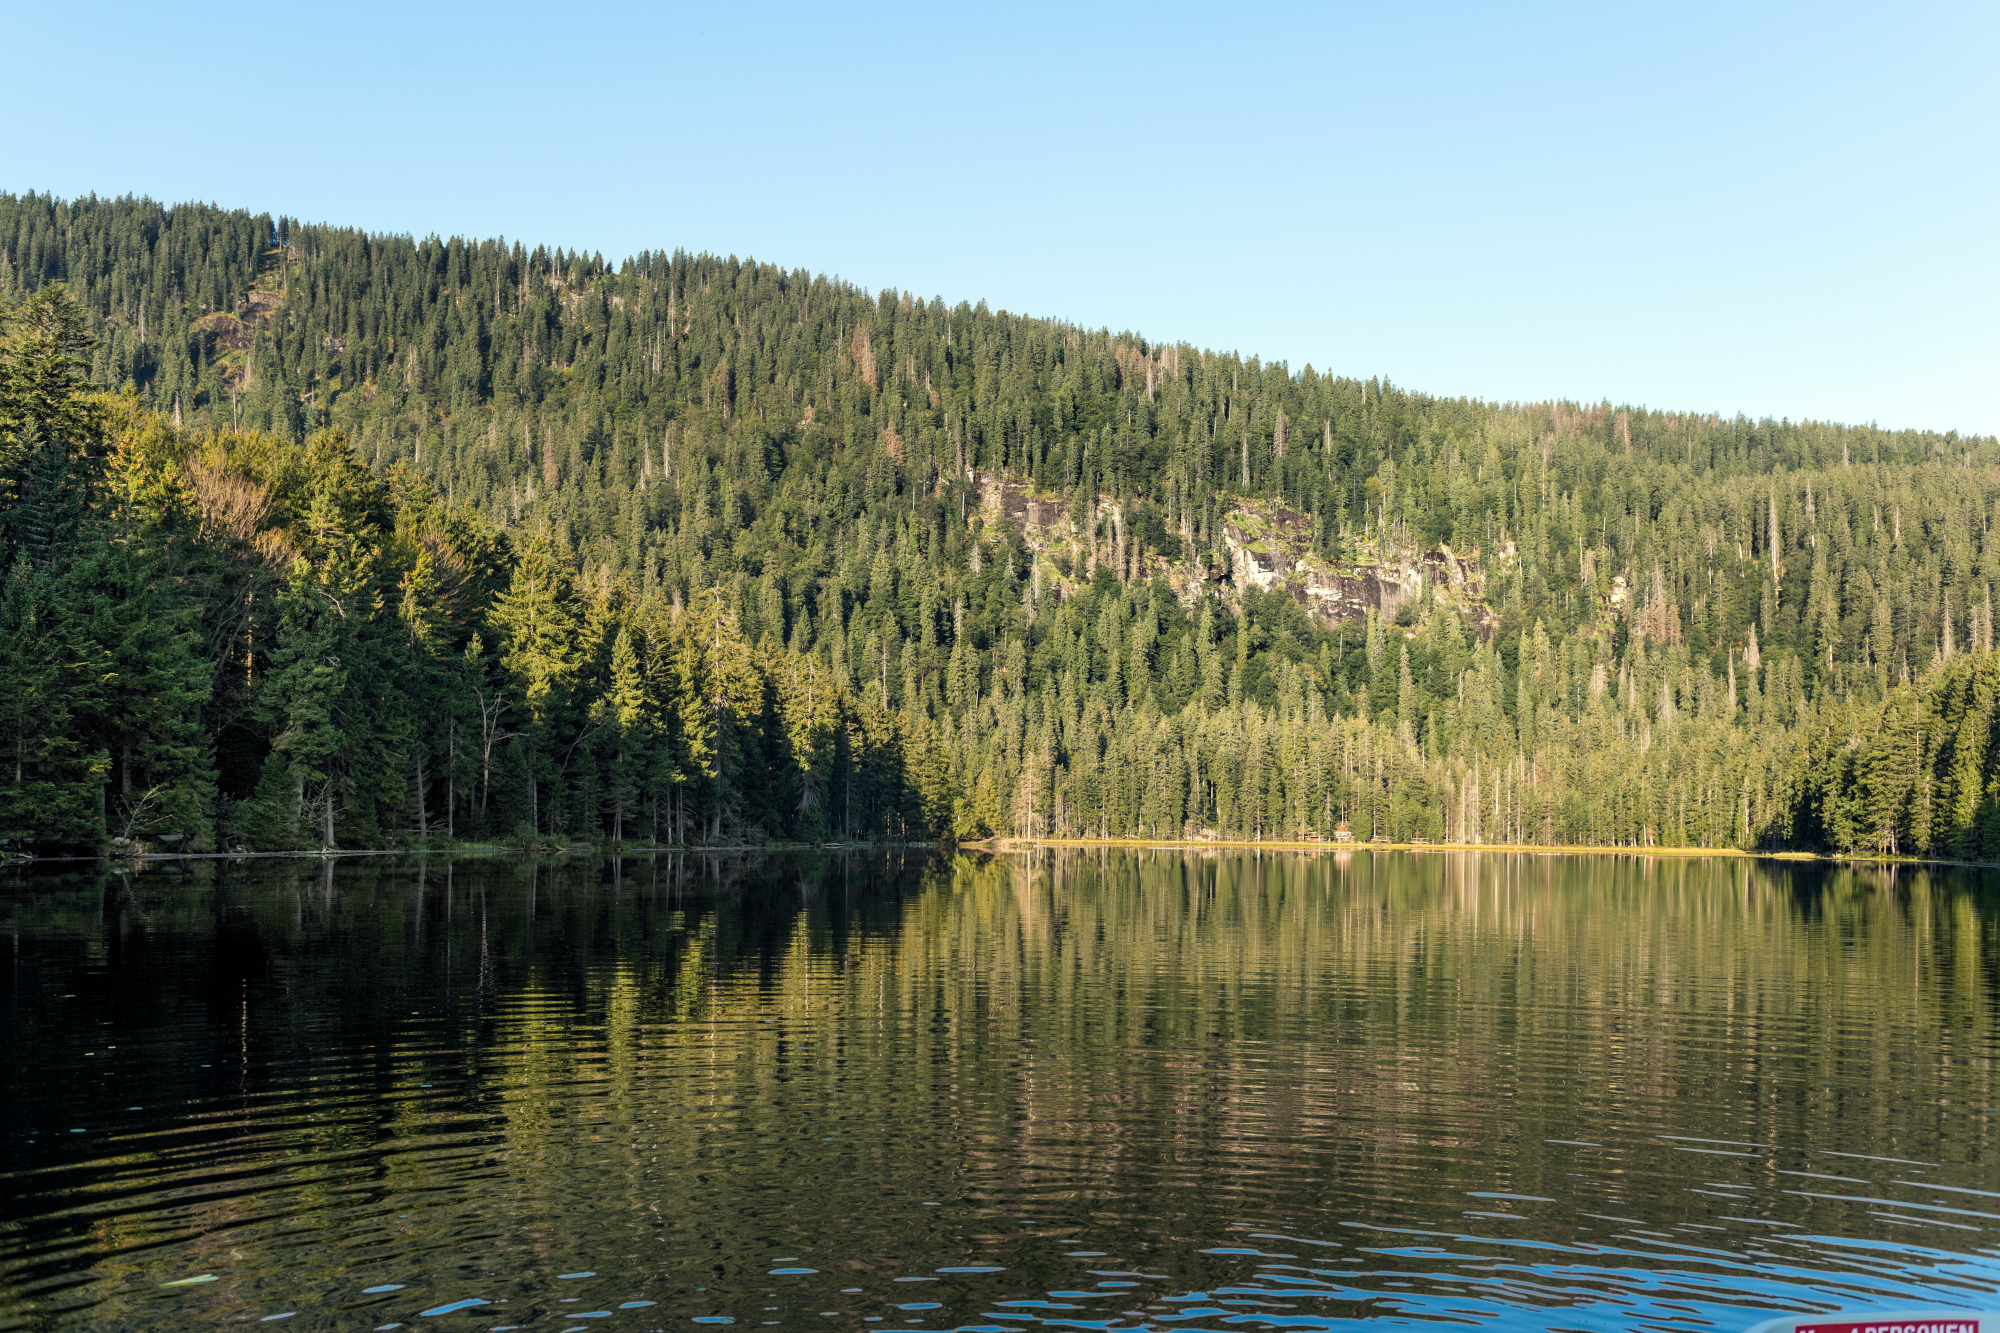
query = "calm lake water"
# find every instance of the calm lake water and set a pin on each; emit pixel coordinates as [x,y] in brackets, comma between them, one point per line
[1089,1090]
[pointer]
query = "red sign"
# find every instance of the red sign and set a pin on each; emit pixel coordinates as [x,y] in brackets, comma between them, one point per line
[1931,1325]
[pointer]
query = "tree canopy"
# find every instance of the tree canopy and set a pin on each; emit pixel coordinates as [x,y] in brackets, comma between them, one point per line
[317,537]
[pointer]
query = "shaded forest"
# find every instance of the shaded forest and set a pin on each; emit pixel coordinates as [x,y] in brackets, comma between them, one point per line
[318,538]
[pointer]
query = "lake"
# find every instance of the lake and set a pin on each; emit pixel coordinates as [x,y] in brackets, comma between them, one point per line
[1080,1088]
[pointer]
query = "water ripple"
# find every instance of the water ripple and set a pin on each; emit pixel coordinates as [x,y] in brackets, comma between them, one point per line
[1202,1092]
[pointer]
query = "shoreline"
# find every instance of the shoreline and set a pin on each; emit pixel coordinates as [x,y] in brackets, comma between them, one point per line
[480,849]
[1003,846]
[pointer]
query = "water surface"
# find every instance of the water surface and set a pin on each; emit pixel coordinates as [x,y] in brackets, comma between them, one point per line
[1112,1091]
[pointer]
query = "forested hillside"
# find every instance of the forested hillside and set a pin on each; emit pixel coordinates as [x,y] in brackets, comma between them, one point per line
[316,537]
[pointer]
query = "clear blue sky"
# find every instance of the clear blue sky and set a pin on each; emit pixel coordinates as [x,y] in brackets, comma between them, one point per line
[1780,210]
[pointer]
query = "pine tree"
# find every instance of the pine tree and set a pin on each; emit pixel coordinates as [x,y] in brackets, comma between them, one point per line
[540,650]
[302,703]
[627,715]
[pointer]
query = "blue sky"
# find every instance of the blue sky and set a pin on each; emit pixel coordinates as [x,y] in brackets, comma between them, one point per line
[1779,210]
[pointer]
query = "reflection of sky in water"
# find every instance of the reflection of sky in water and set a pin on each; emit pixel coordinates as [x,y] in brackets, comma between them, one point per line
[1213,1092]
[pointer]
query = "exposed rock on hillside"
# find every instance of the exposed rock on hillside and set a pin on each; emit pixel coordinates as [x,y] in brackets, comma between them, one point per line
[1007,498]
[1265,546]
[1271,547]
[227,336]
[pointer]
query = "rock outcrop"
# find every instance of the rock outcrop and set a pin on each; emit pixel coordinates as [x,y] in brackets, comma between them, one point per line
[1271,547]
[1264,545]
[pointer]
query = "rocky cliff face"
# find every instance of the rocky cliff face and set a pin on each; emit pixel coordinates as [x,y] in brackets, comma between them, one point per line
[1005,499]
[1271,547]
[1264,545]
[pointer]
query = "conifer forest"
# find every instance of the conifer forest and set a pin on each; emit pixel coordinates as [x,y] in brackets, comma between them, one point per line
[316,538]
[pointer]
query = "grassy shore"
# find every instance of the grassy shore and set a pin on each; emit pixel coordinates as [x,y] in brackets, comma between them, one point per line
[1002,845]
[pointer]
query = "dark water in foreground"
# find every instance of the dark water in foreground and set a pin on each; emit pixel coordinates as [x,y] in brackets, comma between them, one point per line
[1091,1091]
